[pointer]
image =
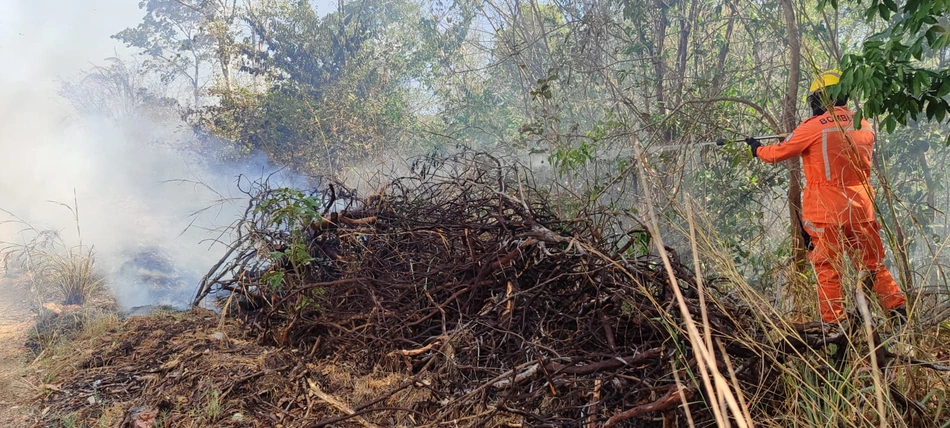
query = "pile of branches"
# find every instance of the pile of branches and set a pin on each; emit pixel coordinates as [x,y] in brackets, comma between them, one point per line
[463,275]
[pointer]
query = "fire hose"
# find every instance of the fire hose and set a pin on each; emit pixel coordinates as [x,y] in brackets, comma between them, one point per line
[806,238]
[719,143]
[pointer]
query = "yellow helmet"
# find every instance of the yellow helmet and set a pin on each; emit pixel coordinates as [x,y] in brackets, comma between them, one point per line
[824,80]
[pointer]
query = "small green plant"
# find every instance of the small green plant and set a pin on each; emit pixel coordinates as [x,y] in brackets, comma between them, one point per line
[292,211]
[296,253]
[290,208]
[161,419]
[69,421]
[639,244]
[570,159]
[213,405]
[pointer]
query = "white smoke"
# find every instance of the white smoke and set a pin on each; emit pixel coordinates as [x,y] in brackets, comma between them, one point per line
[134,173]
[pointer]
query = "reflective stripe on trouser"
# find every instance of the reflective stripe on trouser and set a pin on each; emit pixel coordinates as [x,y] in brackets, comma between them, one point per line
[863,242]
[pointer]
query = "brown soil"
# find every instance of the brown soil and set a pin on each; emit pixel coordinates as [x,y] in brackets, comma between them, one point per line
[16,319]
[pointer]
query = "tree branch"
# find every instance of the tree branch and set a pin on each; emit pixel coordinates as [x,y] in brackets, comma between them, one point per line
[758,108]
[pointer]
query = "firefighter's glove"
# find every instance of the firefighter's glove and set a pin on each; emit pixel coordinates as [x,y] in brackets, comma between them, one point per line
[753,145]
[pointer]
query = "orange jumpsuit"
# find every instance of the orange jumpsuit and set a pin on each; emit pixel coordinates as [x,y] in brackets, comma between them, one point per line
[838,205]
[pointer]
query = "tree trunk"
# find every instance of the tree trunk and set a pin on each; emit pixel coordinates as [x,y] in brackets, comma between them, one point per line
[658,66]
[194,82]
[720,71]
[226,73]
[789,121]
[682,51]
[931,188]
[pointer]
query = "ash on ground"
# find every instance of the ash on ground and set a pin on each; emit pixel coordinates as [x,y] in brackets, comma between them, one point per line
[149,279]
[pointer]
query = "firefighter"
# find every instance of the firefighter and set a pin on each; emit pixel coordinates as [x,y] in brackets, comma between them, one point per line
[838,201]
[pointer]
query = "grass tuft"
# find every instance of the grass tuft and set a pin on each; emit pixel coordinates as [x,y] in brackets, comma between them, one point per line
[51,263]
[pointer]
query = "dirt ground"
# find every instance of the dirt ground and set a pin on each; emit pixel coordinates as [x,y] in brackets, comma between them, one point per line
[16,319]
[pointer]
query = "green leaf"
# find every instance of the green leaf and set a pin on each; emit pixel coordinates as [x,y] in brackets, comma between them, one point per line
[931,35]
[890,124]
[918,49]
[870,45]
[846,78]
[915,85]
[940,111]
[870,13]
[944,87]
[274,278]
[912,107]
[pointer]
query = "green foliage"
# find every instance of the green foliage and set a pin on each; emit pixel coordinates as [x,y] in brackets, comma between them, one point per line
[69,420]
[897,73]
[915,165]
[296,254]
[274,278]
[293,212]
[334,87]
[640,244]
[580,82]
[569,159]
[544,86]
[180,39]
[170,31]
[289,209]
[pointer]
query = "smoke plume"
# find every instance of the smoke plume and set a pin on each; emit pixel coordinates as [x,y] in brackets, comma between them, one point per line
[131,162]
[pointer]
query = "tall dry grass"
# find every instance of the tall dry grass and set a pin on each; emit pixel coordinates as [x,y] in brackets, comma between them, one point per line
[845,385]
[50,262]
[839,386]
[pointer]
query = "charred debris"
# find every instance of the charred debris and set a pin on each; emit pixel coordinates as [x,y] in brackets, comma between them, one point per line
[462,284]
